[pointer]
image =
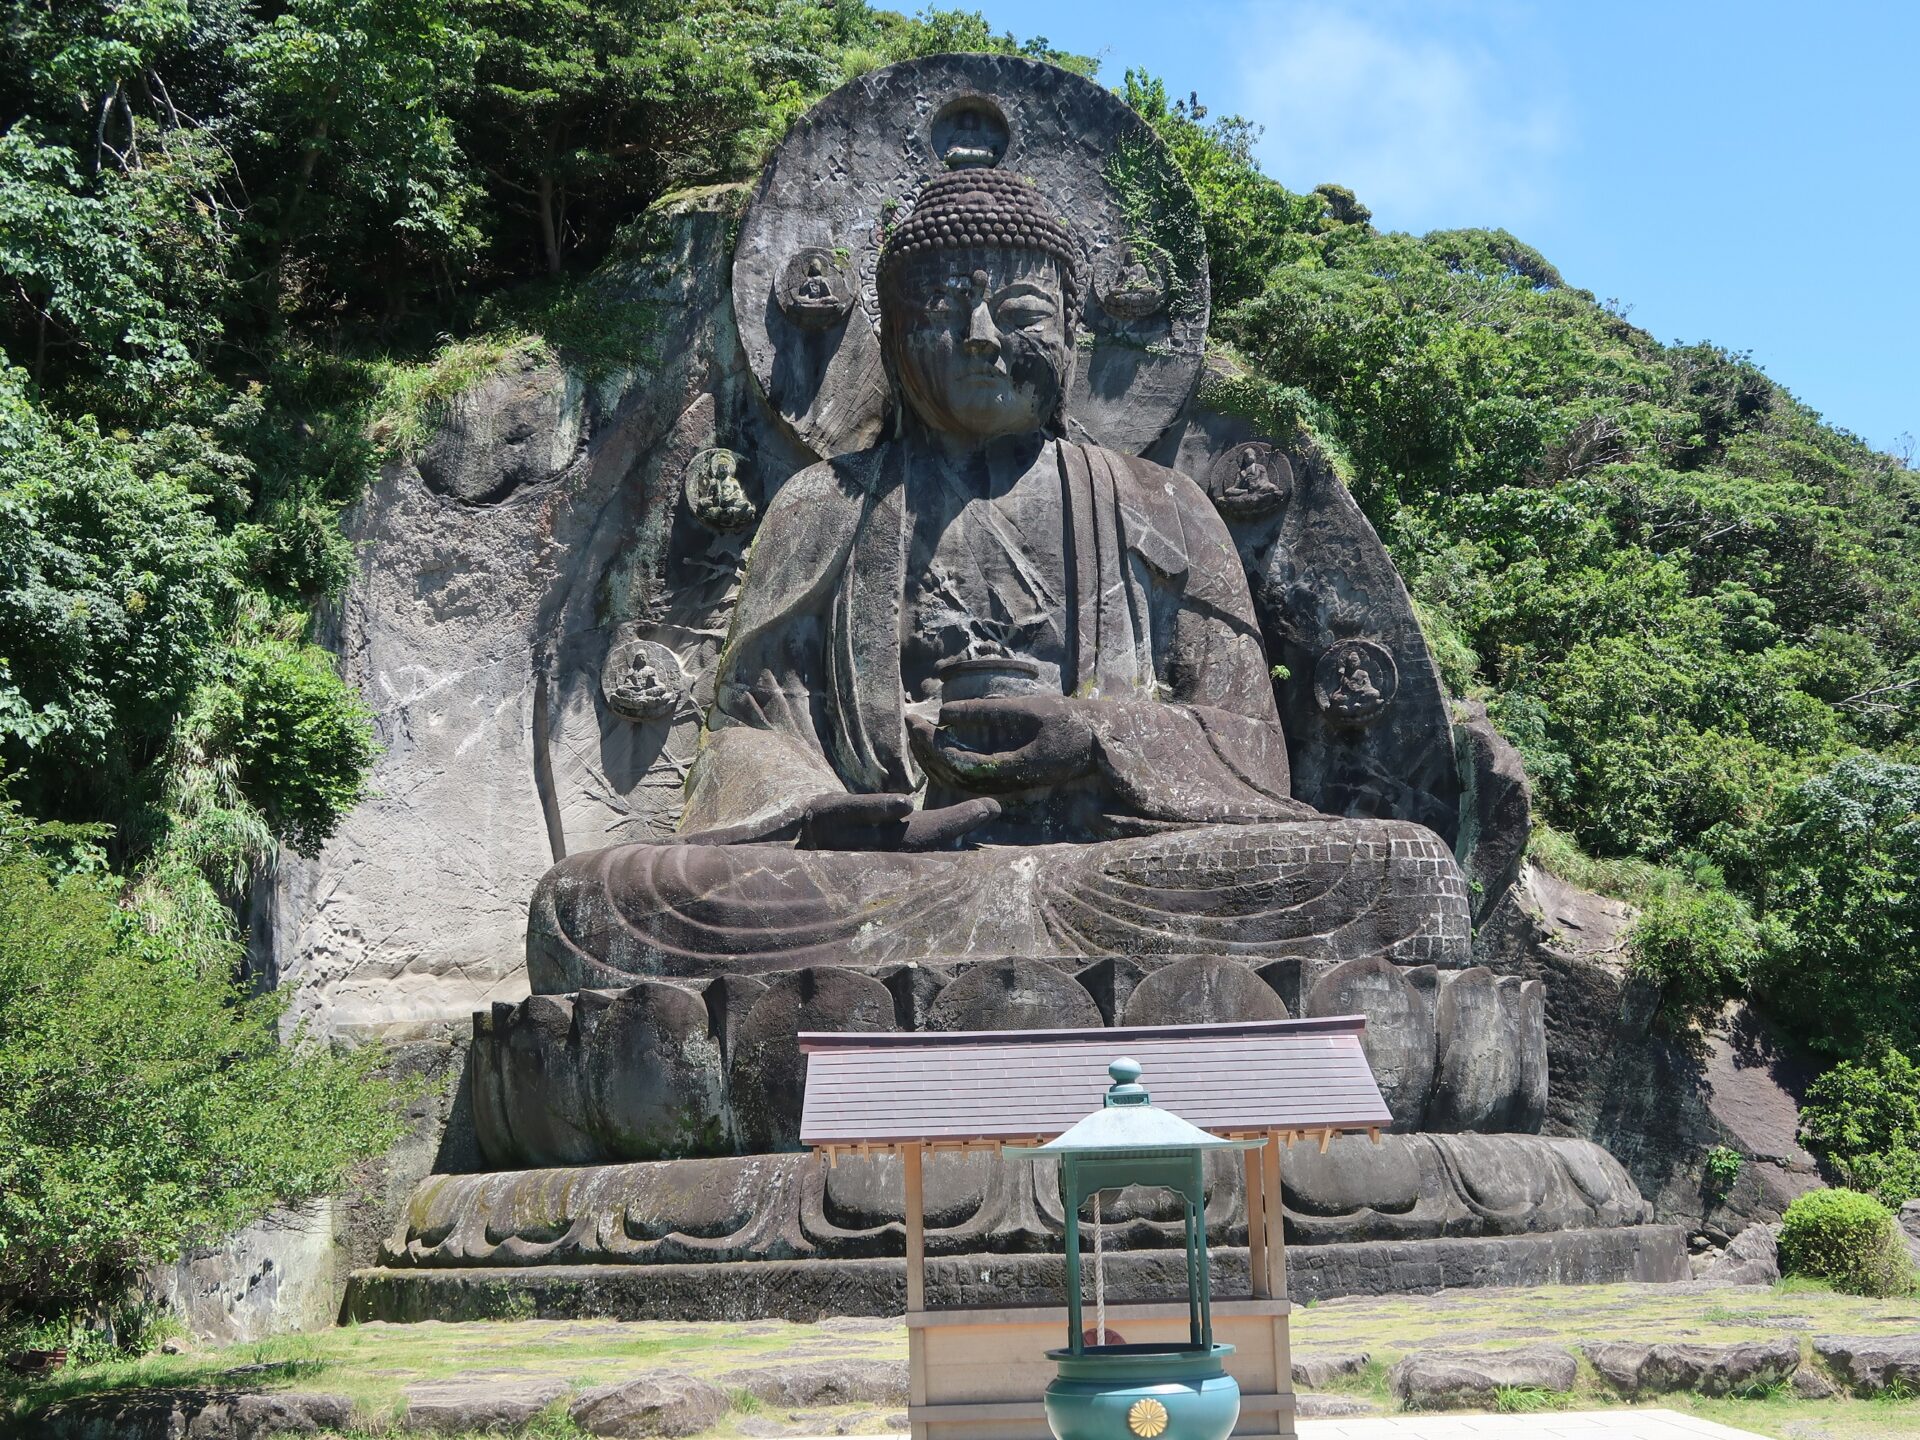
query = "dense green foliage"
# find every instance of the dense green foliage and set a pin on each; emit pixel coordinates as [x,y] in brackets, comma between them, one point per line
[144,1102]
[1863,1118]
[248,248]
[1847,1238]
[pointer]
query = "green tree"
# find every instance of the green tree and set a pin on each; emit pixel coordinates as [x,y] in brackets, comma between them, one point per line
[589,109]
[1839,875]
[1862,1118]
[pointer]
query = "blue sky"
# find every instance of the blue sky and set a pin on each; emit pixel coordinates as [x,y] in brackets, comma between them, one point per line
[1742,173]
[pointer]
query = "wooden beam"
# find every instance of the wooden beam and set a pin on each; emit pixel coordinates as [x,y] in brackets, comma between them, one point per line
[1326,1138]
[1256,1224]
[916,1234]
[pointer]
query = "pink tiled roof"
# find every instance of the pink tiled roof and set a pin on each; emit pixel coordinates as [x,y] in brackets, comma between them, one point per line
[902,1087]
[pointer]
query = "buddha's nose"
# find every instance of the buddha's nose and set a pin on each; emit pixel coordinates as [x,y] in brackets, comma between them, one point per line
[983,337]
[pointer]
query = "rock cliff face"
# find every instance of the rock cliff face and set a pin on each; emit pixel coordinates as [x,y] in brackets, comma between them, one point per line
[490,567]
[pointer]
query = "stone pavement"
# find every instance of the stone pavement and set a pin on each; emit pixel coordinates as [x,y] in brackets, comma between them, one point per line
[1539,1425]
[1620,1424]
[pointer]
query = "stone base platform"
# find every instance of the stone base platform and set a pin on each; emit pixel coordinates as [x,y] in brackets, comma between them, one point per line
[807,1290]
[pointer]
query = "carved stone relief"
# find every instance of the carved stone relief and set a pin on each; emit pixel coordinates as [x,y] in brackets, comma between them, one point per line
[1250,481]
[1354,681]
[815,290]
[715,494]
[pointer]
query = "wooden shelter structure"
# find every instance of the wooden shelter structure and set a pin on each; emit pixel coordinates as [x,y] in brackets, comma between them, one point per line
[979,1373]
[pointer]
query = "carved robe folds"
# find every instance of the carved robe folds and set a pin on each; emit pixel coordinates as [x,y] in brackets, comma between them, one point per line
[1185,839]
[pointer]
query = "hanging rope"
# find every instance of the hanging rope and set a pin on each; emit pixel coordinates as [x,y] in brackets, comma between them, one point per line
[1099,1278]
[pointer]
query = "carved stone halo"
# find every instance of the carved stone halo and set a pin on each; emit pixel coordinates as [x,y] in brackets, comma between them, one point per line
[815,291]
[643,680]
[969,133]
[1353,681]
[851,169]
[1250,480]
[715,492]
[1129,281]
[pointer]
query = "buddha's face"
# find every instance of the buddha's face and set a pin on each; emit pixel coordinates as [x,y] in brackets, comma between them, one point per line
[980,340]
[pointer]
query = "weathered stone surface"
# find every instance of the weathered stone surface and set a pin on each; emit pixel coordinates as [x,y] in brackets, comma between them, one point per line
[767,1073]
[1910,1230]
[1321,577]
[1870,1364]
[1399,1038]
[480,1401]
[1452,1050]
[194,1415]
[1317,1371]
[635,1073]
[274,1277]
[1491,1074]
[1013,994]
[1709,1369]
[476,633]
[519,427]
[1616,1079]
[824,1382]
[1495,807]
[1810,1384]
[1751,1258]
[1327,1407]
[664,1405]
[1439,1379]
[811,1289]
[1201,989]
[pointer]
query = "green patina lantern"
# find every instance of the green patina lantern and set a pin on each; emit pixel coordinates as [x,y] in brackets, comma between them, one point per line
[1153,1392]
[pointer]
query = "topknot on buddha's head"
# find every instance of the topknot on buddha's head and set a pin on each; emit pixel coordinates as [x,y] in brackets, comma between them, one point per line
[980,208]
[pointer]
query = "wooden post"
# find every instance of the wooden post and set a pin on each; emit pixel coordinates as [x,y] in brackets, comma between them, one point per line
[916,1289]
[916,1233]
[1256,1222]
[1276,1238]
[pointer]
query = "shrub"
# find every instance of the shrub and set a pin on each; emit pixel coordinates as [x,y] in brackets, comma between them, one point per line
[145,1101]
[1863,1119]
[1722,1168]
[1847,1238]
[1698,945]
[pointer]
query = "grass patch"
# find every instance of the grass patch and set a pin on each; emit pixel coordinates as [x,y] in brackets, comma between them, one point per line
[1634,881]
[1525,1399]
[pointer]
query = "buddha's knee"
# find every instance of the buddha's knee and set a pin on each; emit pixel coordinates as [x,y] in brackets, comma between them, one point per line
[574,929]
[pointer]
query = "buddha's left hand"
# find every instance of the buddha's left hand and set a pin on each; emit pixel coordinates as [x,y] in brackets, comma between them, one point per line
[1020,743]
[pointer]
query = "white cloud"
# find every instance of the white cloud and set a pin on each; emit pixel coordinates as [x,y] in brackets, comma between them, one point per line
[1429,130]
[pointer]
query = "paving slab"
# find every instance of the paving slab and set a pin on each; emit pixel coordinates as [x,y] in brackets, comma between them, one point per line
[1538,1425]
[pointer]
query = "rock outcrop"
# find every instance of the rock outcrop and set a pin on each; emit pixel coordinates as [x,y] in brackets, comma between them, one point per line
[1444,1379]
[1706,1369]
[1656,1103]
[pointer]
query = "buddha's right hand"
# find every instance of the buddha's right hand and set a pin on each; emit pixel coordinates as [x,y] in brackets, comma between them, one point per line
[887,822]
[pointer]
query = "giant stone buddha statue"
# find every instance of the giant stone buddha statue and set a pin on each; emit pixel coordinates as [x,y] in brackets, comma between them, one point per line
[932,703]
[989,690]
